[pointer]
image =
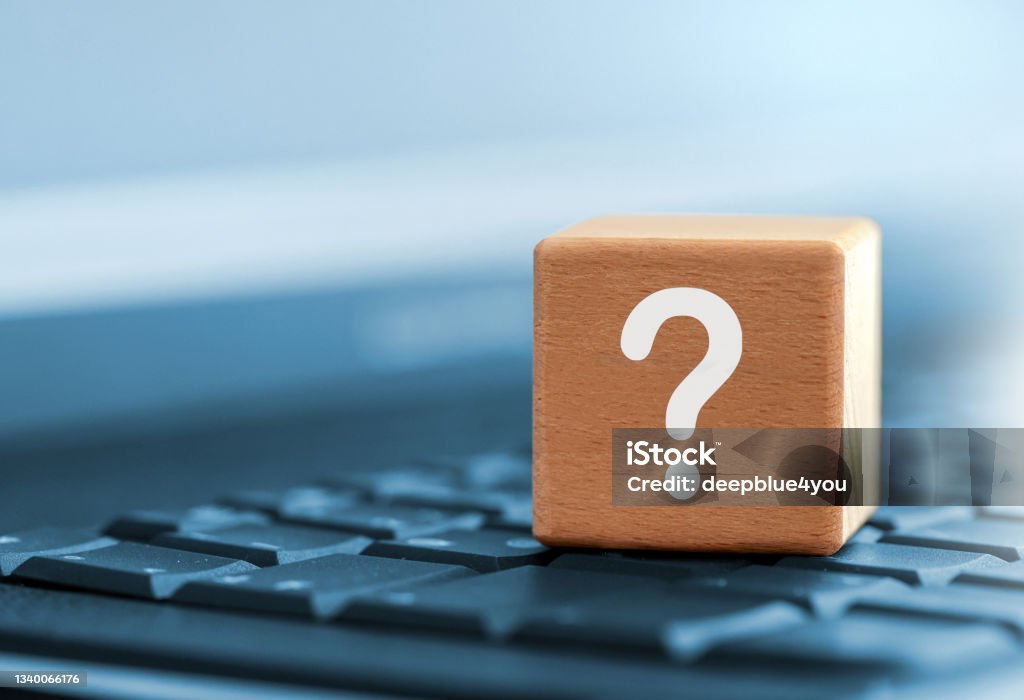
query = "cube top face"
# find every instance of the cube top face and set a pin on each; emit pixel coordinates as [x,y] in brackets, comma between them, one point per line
[806,294]
[845,232]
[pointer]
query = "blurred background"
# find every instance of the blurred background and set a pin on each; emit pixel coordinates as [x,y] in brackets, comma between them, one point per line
[219,209]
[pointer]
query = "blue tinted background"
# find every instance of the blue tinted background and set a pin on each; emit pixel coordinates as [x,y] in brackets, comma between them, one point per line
[106,89]
[147,150]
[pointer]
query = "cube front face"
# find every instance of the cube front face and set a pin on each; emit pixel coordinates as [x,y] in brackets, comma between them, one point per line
[790,296]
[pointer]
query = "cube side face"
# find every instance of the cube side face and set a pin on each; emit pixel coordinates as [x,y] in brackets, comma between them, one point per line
[790,299]
[863,301]
[863,365]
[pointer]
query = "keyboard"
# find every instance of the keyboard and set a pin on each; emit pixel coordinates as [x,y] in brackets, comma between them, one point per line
[423,580]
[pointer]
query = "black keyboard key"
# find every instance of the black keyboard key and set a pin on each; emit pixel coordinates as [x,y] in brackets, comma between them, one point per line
[316,587]
[482,550]
[491,502]
[491,604]
[267,545]
[971,603]
[383,483]
[907,517]
[254,499]
[18,547]
[277,502]
[1011,575]
[1003,539]
[890,643]
[519,516]
[130,568]
[497,470]
[306,497]
[868,533]
[917,565]
[682,623]
[826,593]
[144,525]
[670,567]
[385,521]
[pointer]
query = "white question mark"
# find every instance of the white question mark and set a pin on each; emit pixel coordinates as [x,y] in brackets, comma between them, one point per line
[725,345]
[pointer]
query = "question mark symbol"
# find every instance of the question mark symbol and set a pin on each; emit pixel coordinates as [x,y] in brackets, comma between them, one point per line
[725,345]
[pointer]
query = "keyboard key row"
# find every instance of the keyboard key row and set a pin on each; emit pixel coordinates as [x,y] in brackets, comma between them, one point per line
[684,621]
[279,503]
[271,545]
[754,610]
[384,522]
[493,503]
[482,472]
[488,490]
[382,483]
[314,587]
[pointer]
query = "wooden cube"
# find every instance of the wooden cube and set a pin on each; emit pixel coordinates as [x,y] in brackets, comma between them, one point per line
[807,295]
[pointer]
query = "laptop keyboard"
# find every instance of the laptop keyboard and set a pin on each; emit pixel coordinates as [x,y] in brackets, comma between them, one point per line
[424,579]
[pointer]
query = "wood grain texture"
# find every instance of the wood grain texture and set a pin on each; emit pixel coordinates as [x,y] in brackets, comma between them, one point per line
[807,293]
